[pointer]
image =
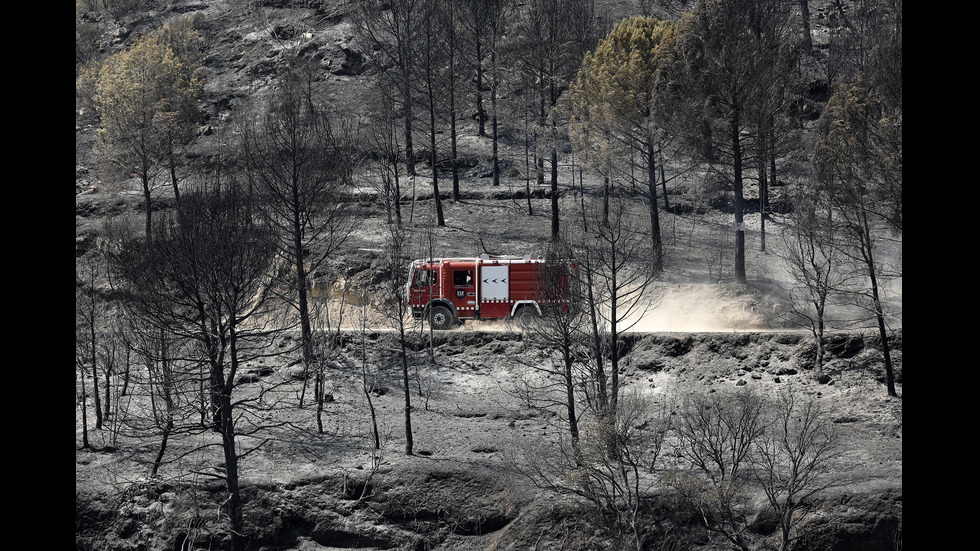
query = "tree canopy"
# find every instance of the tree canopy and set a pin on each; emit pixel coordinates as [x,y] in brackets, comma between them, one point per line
[616,80]
[148,100]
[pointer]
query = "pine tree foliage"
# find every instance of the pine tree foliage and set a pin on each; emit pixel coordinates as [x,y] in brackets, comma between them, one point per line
[136,88]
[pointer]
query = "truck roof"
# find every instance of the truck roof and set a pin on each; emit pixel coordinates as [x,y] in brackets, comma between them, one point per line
[483,257]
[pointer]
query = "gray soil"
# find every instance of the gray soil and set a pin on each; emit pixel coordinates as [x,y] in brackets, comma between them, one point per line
[460,490]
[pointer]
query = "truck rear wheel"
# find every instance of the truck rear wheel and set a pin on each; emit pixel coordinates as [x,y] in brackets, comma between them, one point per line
[524,317]
[441,318]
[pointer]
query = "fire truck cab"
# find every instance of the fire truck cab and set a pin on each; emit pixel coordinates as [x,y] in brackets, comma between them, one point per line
[448,291]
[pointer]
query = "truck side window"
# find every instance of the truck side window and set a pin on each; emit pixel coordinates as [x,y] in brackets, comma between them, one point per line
[463,278]
[422,278]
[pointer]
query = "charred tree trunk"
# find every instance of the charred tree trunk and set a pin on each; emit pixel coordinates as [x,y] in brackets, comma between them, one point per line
[655,234]
[739,199]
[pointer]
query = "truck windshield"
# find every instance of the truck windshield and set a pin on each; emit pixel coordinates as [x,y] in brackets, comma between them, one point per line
[421,278]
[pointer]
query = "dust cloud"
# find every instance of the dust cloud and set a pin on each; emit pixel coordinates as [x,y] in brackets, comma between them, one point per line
[680,308]
[700,308]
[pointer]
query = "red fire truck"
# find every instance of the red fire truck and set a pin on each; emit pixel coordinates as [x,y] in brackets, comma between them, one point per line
[448,291]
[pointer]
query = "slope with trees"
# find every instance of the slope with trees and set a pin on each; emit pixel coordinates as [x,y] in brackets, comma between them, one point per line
[300,169]
[732,59]
[549,40]
[203,279]
[186,341]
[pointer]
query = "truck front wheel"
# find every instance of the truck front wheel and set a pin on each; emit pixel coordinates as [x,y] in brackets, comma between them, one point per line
[441,318]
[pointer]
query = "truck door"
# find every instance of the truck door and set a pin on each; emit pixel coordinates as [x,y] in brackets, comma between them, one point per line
[463,292]
[423,286]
